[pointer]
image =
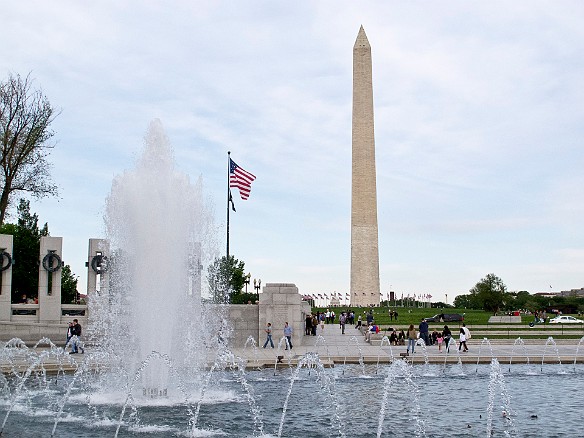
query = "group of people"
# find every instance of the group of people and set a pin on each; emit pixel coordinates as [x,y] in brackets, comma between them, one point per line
[436,338]
[74,337]
[540,316]
[412,336]
[287,334]
[28,300]
[395,338]
[314,320]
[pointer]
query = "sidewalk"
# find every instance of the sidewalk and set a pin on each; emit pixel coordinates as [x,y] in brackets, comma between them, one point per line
[335,348]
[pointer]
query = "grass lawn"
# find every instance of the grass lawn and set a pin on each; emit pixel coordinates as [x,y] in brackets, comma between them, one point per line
[413,315]
[410,315]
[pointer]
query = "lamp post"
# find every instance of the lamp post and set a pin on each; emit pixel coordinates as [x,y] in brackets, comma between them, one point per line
[246,280]
[257,285]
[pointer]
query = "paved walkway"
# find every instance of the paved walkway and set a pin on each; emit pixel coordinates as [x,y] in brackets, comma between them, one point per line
[335,348]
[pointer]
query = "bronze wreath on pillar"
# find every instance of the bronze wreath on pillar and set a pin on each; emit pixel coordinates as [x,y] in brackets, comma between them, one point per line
[99,264]
[8,257]
[49,259]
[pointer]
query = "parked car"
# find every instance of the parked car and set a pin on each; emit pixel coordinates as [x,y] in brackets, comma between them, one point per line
[565,319]
[445,317]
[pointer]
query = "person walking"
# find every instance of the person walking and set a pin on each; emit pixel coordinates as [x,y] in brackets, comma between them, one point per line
[462,338]
[412,338]
[424,331]
[69,334]
[439,340]
[76,331]
[314,325]
[343,320]
[447,335]
[466,331]
[288,334]
[369,318]
[268,331]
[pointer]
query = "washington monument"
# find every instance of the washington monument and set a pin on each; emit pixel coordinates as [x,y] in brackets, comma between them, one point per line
[364,240]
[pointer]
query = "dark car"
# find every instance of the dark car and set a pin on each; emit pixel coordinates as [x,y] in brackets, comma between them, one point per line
[445,317]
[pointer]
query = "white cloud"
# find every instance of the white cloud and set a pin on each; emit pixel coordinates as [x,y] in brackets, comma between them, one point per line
[478,122]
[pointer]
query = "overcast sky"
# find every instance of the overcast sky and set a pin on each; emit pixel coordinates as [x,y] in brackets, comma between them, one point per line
[478,123]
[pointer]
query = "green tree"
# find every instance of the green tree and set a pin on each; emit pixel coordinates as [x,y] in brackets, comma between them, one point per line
[463,302]
[226,279]
[520,299]
[26,235]
[468,301]
[25,272]
[491,292]
[68,286]
[25,118]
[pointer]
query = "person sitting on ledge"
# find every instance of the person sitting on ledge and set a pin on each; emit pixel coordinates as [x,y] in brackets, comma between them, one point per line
[373,328]
[393,338]
[401,338]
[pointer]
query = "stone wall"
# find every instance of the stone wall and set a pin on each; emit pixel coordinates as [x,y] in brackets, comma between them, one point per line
[279,302]
[244,318]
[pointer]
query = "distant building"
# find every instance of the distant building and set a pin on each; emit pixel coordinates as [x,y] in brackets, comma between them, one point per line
[547,294]
[573,293]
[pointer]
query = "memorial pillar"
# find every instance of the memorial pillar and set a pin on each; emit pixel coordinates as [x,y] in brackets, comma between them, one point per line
[97,268]
[6,248]
[51,262]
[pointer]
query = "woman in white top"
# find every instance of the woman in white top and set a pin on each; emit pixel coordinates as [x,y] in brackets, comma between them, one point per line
[462,340]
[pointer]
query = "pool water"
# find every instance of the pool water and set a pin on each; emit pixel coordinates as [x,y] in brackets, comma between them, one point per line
[438,401]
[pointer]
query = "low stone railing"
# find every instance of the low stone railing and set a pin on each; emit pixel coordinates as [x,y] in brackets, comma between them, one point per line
[28,310]
[31,312]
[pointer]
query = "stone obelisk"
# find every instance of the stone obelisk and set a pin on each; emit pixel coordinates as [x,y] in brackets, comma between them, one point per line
[364,239]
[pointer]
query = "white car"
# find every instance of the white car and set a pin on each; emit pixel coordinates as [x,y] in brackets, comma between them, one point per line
[564,319]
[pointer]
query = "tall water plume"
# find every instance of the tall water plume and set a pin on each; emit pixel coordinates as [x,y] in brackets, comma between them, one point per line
[162,238]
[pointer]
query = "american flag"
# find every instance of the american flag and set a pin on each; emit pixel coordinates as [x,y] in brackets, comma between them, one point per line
[240,178]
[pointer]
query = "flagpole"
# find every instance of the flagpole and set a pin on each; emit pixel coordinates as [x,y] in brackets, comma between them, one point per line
[228,198]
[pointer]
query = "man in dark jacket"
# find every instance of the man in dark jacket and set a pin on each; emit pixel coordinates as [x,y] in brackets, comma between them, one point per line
[76,331]
[424,331]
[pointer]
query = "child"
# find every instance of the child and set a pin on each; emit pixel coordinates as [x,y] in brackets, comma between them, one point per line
[439,339]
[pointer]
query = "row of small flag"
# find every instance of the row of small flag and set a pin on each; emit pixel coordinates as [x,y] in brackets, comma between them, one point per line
[421,297]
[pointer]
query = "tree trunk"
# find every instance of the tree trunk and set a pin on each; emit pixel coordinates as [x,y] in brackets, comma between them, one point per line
[4,203]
